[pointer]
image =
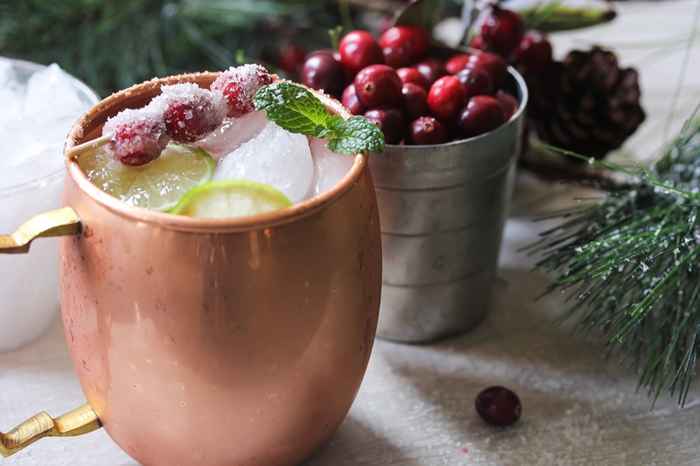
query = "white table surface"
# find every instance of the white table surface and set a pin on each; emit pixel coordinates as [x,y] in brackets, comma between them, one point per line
[415,407]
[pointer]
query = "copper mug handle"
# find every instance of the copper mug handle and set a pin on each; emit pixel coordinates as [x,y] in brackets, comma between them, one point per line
[61,222]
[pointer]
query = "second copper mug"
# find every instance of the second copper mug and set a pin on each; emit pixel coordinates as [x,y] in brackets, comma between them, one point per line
[201,342]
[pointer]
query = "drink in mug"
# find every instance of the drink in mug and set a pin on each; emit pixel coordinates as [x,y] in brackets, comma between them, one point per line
[221,274]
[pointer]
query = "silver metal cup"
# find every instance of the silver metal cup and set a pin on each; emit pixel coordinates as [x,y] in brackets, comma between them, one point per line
[442,211]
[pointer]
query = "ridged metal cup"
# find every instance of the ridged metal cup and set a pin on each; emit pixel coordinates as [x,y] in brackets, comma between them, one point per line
[442,211]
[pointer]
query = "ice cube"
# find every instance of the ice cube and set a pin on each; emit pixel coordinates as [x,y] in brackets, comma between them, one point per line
[330,167]
[232,133]
[275,157]
[52,94]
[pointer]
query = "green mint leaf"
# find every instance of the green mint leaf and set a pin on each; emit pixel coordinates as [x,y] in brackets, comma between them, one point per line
[293,108]
[354,136]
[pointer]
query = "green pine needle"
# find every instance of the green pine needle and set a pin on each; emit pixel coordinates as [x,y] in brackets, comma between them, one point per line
[631,264]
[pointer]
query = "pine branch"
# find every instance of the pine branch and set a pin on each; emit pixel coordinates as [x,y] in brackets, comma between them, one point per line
[631,264]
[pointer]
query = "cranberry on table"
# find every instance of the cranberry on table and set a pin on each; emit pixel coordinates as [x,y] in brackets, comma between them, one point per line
[446,98]
[432,69]
[427,130]
[534,52]
[482,114]
[502,30]
[390,121]
[351,102]
[403,45]
[291,58]
[509,104]
[322,71]
[377,86]
[457,63]
[415,100]
[492,64]
[413,76]
[476,81]
[498,406]
[358,50]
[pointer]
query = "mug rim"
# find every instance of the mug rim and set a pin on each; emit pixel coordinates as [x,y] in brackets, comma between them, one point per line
[296,212]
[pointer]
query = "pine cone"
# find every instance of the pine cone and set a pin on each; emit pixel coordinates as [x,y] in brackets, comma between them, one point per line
[586,103]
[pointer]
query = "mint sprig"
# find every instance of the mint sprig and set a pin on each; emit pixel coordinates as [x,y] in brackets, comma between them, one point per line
[297,110]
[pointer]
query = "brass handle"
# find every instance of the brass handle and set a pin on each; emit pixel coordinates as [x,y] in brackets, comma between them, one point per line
[61,222]
[77,422]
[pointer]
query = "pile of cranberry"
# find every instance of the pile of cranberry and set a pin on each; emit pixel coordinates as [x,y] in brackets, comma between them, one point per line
[414,96]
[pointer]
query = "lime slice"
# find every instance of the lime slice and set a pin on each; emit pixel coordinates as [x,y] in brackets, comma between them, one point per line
[230,198]
[158,185]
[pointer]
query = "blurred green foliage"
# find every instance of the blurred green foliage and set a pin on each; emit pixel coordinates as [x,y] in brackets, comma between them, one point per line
[112,44]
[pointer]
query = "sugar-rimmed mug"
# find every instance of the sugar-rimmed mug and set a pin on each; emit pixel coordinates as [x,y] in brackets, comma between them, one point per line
[210,342]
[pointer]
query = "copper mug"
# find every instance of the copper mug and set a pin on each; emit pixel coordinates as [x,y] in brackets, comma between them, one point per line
[210,342]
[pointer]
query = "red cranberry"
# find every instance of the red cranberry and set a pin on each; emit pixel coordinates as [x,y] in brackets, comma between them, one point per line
[457,63]
[390,121]
[413,76]
[502,30]
[508,103]
[498,406]
[534,52]
[188,121]
[291,58]
[377,86]
[446,98]
[477,42]
[322,71]
[351,102]
[403,45]
[475,82]
[432,69]
[427,130]
[238,85]
[358,50]
[137,138]
[482,114]
[492,64]
[415,100]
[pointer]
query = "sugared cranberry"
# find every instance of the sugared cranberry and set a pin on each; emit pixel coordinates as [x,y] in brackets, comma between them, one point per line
[482,114]
[390,121]
[427,130]
[403,45]
[189,112]
[358,50]
[432,69]
[502,30]
[509,104]
[446,98]
[534,52]
[475,81]
[457,63]
[351,102]
[138,136]
[322,71]
[413,76]
[498,406]
[477,42]
[492,64]
[378,86]
[415,100]
[291,58]
[238,85]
